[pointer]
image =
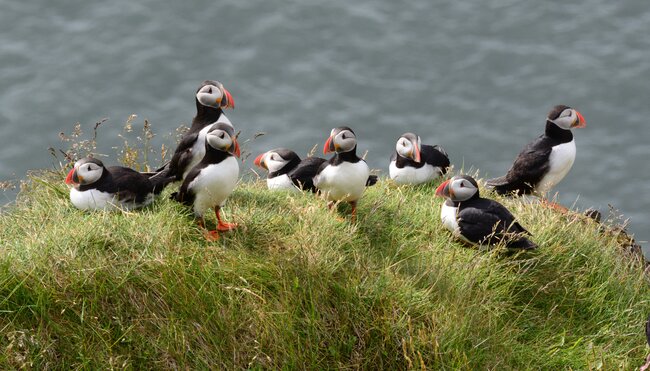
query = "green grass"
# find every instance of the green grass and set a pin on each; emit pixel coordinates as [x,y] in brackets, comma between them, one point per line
[297,287]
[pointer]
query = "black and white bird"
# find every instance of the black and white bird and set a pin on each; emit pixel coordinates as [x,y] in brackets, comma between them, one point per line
[288,171]
[416,163]
[211,98]
[213,179]
[477,220]
[344,176]
[96,187]
[544,162]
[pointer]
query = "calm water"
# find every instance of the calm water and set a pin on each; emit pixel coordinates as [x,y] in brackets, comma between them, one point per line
[476,77]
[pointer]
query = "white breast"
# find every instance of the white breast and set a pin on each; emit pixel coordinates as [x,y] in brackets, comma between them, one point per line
[214,184]
[93,199]
[448,217]
[344,182]
[560,162]
[198,149]
[411,175]
[281,182]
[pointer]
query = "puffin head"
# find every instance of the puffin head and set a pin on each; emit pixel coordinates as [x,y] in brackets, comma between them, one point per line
[85,171]
[276,159]
[409,146]
[566,117]
[342,139]
[221,136]
[213,94]
[459,188]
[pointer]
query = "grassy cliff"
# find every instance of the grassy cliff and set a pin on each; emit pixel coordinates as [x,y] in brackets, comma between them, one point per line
[298,287]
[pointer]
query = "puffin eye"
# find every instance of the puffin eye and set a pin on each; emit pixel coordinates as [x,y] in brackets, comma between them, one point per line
[210,90]
[221,135]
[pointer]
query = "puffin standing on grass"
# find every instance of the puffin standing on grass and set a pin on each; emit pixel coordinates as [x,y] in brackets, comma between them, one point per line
[211,98]
[416,163]
[288,171]
[96,187]
[344,176]
[477,220]
[544,162]
[212,180]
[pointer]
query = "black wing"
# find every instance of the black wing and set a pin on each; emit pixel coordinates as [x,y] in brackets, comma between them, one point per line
[529,168]
[128,184]
[487,221]
[435,156]
[185,194]
[182,155]
[303,174]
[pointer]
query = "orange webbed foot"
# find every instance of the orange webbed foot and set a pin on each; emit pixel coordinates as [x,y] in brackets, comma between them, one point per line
[225,227]
[211,235]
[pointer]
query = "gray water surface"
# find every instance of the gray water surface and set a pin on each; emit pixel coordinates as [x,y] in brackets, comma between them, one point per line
[475,77]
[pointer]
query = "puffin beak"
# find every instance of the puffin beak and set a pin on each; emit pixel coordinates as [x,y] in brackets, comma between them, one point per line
[73,177]
[68,179]
[443,189]
[234,149]
[259,161]
[416,153]
[580,122]
[227,101]
[329,146]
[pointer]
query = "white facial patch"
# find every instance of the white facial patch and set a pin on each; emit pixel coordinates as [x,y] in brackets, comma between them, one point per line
[89,172]
[210,96]
[566,119]
[274,162]
[219,139]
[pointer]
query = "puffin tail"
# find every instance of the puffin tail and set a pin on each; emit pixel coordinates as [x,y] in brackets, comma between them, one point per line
[500,185]
[164,167]
[522,243]
[160,180]
[372,180]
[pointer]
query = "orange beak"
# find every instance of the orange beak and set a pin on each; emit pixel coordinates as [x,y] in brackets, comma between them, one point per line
[236,152]
[72,177]
[230,101]
[258,161]
[581,122]
[443,189]
[416,157]
[327,148]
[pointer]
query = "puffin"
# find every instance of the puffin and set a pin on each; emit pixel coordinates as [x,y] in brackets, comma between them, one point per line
[344,176]
[288,171]
[211,99]
[212,180]
[97,187]
[416,163]
[544,162]
[477,220]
